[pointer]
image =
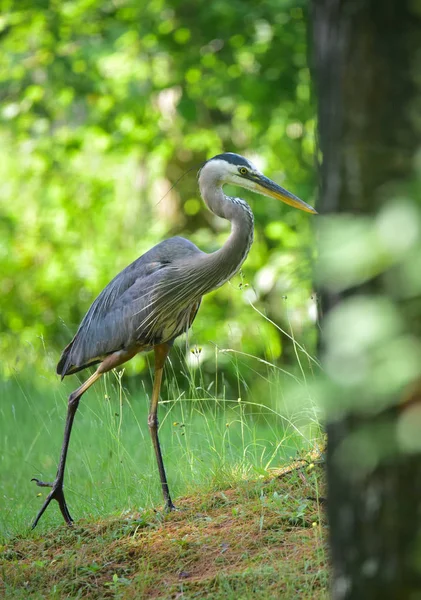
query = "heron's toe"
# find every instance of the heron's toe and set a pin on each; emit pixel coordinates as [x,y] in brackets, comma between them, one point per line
[43,483]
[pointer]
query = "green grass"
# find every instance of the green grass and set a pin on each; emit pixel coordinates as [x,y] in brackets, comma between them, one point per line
[248,527]
[208,443]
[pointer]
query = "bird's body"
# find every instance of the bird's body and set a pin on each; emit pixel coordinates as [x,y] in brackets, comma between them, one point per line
[156,298]
[124,315]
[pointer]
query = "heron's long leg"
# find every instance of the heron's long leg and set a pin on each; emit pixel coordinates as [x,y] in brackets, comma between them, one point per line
[57,491]
[112,361]
[161,353]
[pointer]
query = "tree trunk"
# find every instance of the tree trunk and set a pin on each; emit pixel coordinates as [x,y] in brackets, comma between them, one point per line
[366,62]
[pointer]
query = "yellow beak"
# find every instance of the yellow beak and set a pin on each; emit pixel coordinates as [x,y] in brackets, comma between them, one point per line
[266,186]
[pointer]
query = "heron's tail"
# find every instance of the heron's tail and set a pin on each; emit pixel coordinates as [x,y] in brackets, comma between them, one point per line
[69,363]
[65,363]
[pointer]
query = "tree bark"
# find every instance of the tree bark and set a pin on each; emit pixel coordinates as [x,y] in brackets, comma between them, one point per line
[366,56]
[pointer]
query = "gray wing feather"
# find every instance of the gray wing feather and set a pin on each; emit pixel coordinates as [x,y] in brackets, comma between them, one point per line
[127,312]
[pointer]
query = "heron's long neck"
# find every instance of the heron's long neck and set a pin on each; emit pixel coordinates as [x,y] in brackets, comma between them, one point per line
[225,262]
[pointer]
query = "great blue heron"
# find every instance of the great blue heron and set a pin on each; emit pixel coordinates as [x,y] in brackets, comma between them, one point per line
[156,298]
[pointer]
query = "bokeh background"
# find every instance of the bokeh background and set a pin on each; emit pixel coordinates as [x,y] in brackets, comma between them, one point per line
[104,106]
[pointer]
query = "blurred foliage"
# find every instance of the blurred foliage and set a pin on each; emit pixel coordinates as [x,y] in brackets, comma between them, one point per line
[104,104]
[372,351]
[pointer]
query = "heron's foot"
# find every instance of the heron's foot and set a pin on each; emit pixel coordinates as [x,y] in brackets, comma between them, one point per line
[169,507]
[55,494]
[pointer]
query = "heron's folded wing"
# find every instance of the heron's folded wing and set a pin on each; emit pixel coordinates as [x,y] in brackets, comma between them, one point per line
[117,313]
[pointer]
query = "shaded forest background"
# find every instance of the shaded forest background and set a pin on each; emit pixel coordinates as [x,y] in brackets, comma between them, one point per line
[104,105]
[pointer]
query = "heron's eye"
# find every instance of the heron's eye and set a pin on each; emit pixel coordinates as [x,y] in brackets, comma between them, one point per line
[243,171]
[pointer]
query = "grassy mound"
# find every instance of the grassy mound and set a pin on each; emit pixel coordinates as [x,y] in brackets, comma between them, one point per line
[261,539]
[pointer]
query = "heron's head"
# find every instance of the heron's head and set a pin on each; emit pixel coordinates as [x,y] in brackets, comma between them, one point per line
[237,170]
